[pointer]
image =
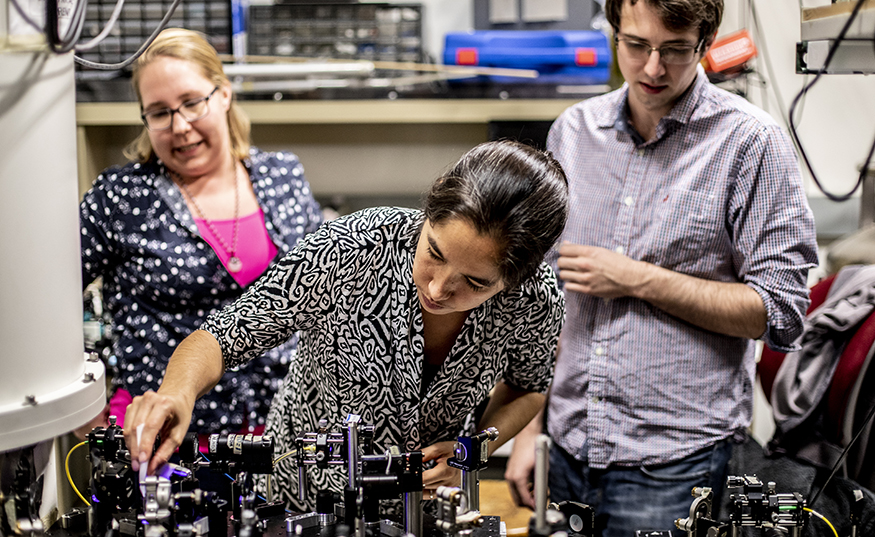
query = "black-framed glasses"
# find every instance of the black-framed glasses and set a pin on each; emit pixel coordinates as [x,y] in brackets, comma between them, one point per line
[640,51]
[193,110]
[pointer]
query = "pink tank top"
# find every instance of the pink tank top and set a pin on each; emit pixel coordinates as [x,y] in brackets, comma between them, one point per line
[254,247]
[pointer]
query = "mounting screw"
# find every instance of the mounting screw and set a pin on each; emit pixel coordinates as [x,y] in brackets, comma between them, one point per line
[30,400]
[89,377]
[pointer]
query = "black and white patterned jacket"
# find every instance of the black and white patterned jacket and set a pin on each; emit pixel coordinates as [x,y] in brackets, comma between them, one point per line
[349,289]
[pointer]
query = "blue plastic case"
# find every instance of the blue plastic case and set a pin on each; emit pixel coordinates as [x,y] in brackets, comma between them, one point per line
[560,57]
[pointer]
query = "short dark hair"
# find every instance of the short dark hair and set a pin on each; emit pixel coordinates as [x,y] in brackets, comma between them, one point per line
[676,15]
[514,193]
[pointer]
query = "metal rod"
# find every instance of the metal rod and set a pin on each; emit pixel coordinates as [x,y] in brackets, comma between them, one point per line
[413,513]
[471,486]
[542,462]
[352,423]
[302,483]
[382,64]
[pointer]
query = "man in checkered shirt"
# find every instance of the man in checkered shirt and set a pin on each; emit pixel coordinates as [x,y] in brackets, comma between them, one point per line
[689,237]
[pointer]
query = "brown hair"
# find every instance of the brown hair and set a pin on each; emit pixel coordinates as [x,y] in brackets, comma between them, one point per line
[676,15]
[509,191]
[193,47]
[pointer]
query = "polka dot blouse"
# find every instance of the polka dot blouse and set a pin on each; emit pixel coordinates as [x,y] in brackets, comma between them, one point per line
[161,279]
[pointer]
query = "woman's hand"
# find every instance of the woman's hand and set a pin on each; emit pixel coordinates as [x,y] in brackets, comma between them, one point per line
[166,414]
[441,474]
[195,367]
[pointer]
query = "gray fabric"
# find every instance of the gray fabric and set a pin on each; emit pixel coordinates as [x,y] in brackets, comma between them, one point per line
[805,375]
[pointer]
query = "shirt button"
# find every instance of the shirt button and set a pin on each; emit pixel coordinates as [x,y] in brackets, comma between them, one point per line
[599,351]
[619,249]
[595,399]
[641,152]
[628,200]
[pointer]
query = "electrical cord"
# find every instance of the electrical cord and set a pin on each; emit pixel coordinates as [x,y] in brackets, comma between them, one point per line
[26,18]
[818,515]
[844,454]
[52,23]
[139,52]
[805,89]
[69,477]
[58,44]
[110,24]
[63,45]
[73,36]
[284,456]
[779,98]
[69,42]
[277,460]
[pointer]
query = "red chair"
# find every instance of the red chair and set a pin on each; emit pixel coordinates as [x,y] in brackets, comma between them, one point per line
[848,400]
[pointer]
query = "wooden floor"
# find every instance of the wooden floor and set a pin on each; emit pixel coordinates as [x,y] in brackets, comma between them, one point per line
[495,500]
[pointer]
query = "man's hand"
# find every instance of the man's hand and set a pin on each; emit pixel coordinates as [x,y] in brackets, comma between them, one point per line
[598,271]
[520,470]
[167,415]
[730,308]
[441,474]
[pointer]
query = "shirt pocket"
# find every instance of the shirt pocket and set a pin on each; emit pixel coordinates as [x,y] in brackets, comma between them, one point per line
[685,226]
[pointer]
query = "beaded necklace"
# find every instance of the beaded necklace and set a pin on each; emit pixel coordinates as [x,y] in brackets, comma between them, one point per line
[234,264]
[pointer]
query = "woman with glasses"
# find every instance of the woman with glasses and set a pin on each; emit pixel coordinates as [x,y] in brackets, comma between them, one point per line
[188,225]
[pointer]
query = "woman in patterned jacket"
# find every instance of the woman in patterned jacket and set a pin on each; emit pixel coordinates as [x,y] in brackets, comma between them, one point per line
[408,318]
[181,230]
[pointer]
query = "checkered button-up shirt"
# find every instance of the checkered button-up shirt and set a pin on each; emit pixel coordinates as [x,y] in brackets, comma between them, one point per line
[716,194]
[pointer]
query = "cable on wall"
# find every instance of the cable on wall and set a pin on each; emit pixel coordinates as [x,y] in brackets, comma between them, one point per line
[110,24]
[134,56]
[62,44]
[801,94]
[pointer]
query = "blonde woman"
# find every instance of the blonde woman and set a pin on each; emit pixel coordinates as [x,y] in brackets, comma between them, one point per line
[186,226]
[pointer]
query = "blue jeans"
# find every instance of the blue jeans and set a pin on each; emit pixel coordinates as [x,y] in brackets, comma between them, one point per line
[630,498]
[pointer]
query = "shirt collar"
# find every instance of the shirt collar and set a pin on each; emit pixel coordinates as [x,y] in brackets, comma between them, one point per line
[616,114]
[683,110]
[172,195]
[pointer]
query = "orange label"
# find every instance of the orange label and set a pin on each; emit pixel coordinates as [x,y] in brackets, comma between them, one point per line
[585,56]
[466,56]
[730,51]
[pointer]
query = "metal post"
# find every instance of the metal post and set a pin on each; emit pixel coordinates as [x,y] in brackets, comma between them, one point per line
[471,486]
[353,518]
[542,462]
[413,513]
[302,482]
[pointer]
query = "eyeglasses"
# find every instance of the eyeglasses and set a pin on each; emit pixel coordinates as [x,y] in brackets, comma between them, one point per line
[193,110]
[639,51]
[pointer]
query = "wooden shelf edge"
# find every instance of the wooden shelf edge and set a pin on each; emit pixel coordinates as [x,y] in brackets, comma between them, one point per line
[832,10]
[427,111]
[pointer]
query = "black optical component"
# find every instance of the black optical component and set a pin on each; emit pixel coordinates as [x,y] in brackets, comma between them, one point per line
[242,453]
